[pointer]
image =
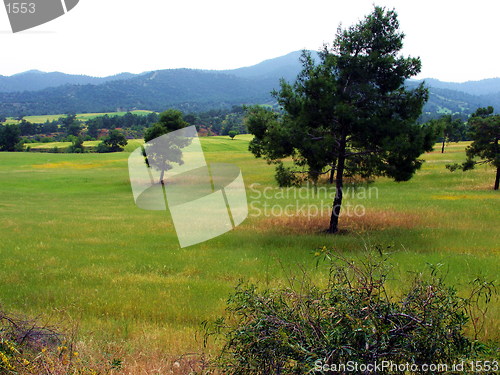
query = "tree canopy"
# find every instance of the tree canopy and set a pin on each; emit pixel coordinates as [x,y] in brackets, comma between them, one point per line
[351,111]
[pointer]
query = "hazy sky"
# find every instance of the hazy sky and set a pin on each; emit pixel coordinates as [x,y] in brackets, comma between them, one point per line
[456,40]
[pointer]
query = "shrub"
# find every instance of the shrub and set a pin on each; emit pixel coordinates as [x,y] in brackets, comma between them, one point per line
[76,146]
[295,329]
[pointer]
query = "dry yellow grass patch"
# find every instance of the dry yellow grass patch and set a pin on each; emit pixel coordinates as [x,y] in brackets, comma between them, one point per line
[88,359]
[371,220]
[460,197]
[145,363]
[485,186]
[71,165]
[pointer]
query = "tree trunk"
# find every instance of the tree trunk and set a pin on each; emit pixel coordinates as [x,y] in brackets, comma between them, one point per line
[497,179]
[161,177]
[337,202]
[442,148]
[332,172]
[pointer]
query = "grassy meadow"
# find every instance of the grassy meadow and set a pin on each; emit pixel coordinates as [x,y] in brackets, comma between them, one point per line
[74,248]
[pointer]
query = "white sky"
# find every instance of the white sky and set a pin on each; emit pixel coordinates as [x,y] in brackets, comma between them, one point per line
[456,40]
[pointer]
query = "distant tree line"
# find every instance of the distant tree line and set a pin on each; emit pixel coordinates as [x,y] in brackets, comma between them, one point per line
[212,122]
[71,129]
[219,121]
[128,121]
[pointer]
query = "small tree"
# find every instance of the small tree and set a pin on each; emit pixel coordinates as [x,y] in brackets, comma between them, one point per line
[113,142]
[232,134]
[169,121]
[485,133]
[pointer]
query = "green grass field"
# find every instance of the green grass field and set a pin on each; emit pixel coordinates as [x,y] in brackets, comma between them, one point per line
[81,116]
[75,247]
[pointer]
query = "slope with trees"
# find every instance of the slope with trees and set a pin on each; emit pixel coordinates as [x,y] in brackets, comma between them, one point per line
[200,90]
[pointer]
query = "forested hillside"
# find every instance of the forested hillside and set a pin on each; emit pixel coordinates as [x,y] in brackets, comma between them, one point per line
[199,90]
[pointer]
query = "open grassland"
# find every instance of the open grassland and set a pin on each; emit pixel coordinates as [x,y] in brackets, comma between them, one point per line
[81,116]
[74,246]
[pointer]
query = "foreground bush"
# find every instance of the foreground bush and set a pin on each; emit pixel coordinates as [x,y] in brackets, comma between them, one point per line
[300,329]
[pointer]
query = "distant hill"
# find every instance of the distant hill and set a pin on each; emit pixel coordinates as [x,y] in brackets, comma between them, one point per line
[199,90]
[186,89]
[34,80]
[286,67]
[483,87]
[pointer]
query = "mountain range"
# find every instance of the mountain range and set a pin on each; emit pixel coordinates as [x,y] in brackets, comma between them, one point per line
[38,93]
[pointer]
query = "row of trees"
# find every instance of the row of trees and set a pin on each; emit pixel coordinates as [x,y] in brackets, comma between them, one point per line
[219,121]
[11,140]
[213,122]
[115,141]
[70,125]
[127,121]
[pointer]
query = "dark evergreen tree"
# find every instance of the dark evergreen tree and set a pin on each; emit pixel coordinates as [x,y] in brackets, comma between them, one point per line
[351,110]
